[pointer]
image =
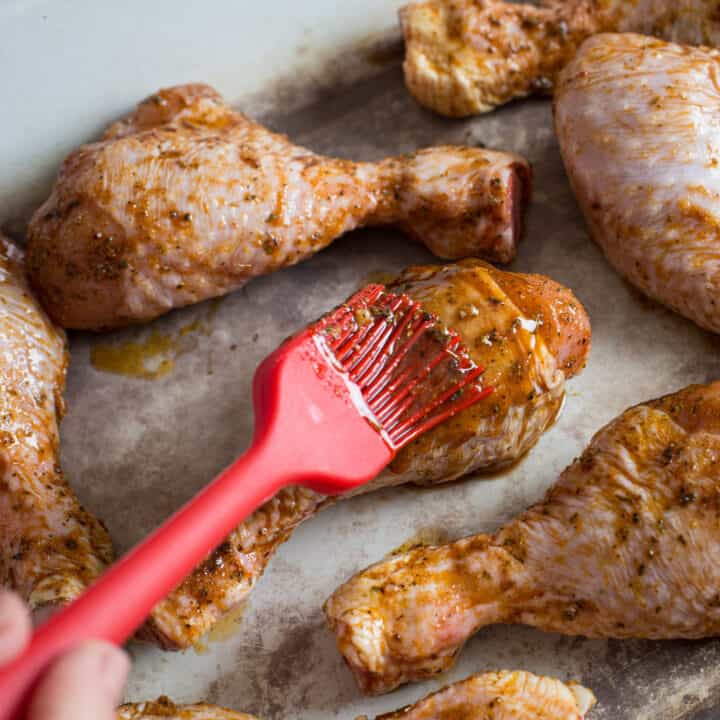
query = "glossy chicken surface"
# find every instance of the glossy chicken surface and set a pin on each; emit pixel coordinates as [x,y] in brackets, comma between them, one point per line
[469,56]
[529,332]
[168,710]
[626,544]
[637,121]
[187,199]
[50,547]
[505,695]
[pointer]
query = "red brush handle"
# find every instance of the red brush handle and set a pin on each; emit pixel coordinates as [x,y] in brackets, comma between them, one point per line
[307,431]
[116,605]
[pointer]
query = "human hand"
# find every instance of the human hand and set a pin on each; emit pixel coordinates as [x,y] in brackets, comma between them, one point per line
[84,684]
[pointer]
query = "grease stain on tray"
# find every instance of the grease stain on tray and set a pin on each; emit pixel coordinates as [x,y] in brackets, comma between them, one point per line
[224,629]
[150,358]
[228,625]
[152,355]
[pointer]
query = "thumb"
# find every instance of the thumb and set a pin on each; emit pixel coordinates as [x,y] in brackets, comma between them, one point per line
[84,684]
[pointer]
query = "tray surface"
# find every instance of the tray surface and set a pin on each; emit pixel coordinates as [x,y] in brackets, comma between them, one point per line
[136,448]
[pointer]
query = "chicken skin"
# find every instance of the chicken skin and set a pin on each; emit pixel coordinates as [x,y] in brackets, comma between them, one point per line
[626,544]
[50,547]
[529,332]
[165,709]
[187,199]
[504,695]
[637,123]
[469,56]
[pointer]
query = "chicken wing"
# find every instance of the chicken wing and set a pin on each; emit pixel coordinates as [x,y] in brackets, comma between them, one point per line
[165,709]
[504,695]
[469,56]
[188,199]
[637,121]
[50,547]
[529,332]
[626,544]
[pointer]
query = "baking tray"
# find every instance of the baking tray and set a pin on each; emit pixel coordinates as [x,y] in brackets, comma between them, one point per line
[136,448]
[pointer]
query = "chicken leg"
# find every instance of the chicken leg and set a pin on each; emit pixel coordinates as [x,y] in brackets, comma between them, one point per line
[50,547]
[505,695]
[626,544]
[469,56]
[188,199]
[530,334]
[165,709]
[637,121]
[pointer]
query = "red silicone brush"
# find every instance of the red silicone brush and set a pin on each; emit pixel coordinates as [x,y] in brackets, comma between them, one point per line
[333,406]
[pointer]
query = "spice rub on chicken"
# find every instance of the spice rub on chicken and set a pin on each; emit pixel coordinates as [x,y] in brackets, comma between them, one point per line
[637,122]
[164,709]
[188,199]
[469,56]
[625,545]
[50,547]
[504,695]
[528,331]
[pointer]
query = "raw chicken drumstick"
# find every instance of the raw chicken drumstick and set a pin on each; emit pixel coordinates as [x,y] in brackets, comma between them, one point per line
[188,199]
[164,709]
[469,56]
[637,121]
[529,332]
[626,544]
[505,695]
[516,695]
[50,547]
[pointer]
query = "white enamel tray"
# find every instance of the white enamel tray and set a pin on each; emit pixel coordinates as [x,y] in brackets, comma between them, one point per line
[135,449]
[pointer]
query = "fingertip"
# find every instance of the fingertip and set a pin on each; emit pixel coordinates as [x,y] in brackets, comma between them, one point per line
[85,684]
[114,666]
[11,606]
[15,625]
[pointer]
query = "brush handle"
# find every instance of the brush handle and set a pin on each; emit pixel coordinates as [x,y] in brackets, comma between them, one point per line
[309,429]
[118,602]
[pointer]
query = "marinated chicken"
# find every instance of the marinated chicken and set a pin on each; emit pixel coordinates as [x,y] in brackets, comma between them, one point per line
[164,709]
[529,332]
[469,56]
[187,199]
[504,695]
[637,121]
[50,547]
[626,544]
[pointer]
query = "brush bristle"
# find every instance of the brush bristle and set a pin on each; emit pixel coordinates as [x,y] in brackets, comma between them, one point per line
[412,371]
